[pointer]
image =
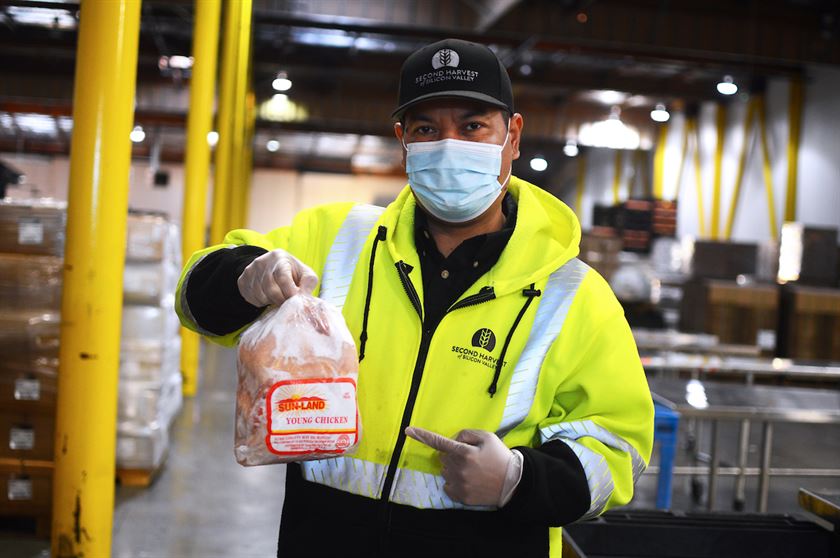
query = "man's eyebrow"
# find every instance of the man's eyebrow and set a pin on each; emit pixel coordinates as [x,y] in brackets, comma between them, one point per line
[422,117]
[475,112]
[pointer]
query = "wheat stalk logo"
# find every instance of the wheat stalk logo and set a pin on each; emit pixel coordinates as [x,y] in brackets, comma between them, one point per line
[485,339]
[445,57]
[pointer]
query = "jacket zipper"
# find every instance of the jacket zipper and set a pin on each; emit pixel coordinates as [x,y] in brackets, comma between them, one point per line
[484,295]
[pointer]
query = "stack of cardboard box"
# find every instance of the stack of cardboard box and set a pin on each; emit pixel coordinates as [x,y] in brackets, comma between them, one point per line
[31,250]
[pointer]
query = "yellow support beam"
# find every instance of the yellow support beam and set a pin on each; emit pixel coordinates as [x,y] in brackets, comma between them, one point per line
[580,185]
[742,163]
[241,172]
[91,309]
[794,129]
[225,155]
[617,175]
[720,122]
[237,144]
[247,167]
[659,163]
[767,170]
[197,161]
[698,177]
[683,156]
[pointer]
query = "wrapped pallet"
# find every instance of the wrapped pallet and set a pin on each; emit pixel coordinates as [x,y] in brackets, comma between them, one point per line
[150,377]
[31,251]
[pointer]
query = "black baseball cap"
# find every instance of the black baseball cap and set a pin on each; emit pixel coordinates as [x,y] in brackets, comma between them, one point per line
[454,68]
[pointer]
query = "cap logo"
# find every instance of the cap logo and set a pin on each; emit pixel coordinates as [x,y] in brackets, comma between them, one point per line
[445,57]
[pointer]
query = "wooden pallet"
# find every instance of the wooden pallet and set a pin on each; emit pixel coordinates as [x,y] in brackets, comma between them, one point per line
[138,478]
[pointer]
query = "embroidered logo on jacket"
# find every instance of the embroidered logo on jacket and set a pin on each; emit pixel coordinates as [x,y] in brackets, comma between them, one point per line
[484,341]
[484,338]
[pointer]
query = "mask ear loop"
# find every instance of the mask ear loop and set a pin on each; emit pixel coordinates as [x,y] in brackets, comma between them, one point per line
[510,172]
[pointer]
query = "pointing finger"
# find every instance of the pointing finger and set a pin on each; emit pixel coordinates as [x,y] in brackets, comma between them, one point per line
[438,442]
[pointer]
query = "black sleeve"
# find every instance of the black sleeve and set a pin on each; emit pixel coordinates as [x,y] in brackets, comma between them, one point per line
[213,295]
[553,489]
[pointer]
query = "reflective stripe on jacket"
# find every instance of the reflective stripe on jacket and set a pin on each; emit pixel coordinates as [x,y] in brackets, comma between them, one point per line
[537,350]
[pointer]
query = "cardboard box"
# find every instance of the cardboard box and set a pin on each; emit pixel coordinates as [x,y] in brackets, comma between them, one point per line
[27,435]
[25,488]
[809,324]
[28,282]
[723,260]
[737,314]
[34,227]
[808,255]
[151,238]
[28,387]
[27,335]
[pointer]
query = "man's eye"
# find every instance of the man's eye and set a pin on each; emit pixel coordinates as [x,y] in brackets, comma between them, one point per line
[423,130]
[473,126]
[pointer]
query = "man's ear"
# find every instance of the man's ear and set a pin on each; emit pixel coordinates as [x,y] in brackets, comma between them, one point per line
[516,124]
[399,132]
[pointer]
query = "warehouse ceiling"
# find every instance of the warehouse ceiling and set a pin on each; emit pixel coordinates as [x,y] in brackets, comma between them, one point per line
[571,61]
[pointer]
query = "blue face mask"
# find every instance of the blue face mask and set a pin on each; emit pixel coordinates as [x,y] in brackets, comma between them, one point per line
[455,180]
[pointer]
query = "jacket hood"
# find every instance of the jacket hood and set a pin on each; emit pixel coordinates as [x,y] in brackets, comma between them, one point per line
[547,235]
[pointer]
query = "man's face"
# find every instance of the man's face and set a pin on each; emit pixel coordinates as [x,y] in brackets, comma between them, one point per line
[463,120]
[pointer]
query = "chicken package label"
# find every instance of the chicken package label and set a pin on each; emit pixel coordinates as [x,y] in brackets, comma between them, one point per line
[306,416]
[297,370]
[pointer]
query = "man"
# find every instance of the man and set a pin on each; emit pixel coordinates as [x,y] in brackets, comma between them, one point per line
[500,389]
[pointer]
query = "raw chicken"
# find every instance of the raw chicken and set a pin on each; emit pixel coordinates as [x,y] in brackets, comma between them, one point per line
[296,394]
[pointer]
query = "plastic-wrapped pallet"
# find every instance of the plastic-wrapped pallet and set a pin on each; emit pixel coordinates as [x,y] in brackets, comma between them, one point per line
[150,377]
[31,248]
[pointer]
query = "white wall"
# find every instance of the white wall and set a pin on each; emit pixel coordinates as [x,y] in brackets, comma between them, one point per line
[276,196]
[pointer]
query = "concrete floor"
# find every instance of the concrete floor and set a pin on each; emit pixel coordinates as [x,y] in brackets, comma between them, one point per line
[205,504]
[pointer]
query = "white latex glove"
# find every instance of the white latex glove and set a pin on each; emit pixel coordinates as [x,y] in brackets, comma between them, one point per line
[274,277]
[479,469]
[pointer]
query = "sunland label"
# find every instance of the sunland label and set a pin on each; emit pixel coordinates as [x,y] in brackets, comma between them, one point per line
[312,416]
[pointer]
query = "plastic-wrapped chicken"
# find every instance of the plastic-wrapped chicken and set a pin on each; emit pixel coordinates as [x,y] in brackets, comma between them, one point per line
[296,394]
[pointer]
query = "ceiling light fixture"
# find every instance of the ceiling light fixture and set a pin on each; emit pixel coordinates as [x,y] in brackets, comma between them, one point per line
[281,82]
[611,133]
[212,138]
[539,164]
[660,113]
[571,149]
[727,86]
[137,134]
[272,145]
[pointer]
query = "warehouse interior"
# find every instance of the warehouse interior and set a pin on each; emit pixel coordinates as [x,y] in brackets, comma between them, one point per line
[696,143]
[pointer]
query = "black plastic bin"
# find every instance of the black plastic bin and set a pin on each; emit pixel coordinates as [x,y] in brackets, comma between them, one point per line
[662,534]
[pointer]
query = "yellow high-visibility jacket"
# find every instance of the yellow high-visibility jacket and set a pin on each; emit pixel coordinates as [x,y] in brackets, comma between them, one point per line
[544,323]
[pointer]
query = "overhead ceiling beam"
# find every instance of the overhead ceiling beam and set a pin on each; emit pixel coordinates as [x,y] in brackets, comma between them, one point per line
[493,10]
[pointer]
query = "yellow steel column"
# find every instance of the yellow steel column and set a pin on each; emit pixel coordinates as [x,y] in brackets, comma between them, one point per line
[247,167]
[238,189]
[766,169]
[720,121]
[197,160]
[794,127]
[91,310]
[617,174]
[225,156]
[580,184]
[742,163]
[698,177]
[659,163]
[686,129]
